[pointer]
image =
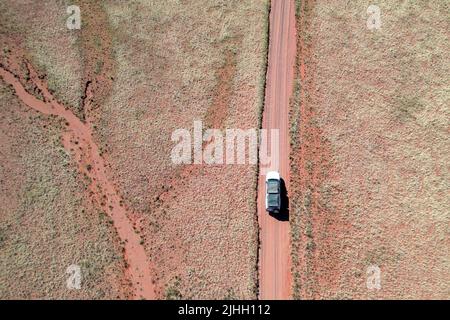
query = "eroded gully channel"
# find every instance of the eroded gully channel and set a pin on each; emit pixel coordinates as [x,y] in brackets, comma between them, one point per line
[78,141]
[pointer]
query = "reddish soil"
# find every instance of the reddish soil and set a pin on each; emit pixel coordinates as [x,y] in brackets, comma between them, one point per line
[274,265]
[98,63]
[217,113]
[78,141]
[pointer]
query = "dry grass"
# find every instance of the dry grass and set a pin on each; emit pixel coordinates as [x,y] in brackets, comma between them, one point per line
[46,224]
[170,62]
[377,104]
[170,56]
[41,25]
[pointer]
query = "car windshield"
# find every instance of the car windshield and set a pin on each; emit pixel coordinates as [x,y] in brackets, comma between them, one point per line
[273,200]
[272,186]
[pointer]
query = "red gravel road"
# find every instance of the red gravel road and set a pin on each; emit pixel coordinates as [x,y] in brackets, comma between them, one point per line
[274,262]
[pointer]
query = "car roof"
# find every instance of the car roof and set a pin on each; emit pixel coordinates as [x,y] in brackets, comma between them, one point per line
[273,199]
[273,186]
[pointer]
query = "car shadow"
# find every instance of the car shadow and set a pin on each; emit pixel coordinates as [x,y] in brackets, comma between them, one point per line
[283,215]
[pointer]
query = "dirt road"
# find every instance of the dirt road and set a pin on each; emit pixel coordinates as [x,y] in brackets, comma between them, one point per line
[274,262]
